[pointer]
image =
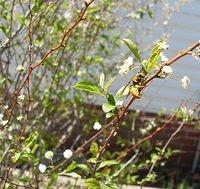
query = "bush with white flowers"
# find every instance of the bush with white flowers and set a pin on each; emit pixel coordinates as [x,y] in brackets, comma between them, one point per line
[68,79]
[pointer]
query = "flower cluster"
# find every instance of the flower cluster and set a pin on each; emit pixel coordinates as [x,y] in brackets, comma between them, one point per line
[2,121]
[163,57]
[97,126]
[149,127]
[42,167]
[166,71]
[19,118]
[163,45]
[185,81]
[67,154]
[125,68]
[48,155]
[21,97]
[20,68]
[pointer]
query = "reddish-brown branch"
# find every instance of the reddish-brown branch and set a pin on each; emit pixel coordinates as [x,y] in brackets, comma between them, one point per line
[119,118]
[157,131]
[65,36]
[195,108]
[32,67]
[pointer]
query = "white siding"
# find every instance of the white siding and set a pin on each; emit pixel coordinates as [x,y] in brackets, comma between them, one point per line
[185,30]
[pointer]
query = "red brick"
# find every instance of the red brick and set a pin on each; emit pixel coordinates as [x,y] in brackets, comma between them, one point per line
[193,134]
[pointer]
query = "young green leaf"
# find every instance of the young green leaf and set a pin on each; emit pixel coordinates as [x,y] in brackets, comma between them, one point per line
[31,139]
[94,149]
[109,114]
[133,47]
[16,157]
[92,160]
[92,183]
[154,58]
[83,167]
[72,174]
[123,91]
[89,87]
[108,83]
[110,98]
[107,163]
[71,167]
[108,107]
[2,81]
[102,80]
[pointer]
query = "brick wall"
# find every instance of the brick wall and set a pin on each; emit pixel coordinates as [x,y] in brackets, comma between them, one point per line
[186,140]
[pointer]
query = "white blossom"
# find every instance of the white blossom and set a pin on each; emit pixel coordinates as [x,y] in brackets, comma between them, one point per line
[20,68]
[125,68]
[1,117]
[167,70]
[190,112]
[48,155]
[119,103]
[143,131]
[67,14]
[165,22]
[10,137]
[129,61]
[21,97]
[102,80]
[97,126]
[137,111]
[185,81]
[164,45]
[3,122]
[97,17]
[42,168]
[184,109]
[196,54]
[67,154]
[20,117]
[163,57]
[5,107]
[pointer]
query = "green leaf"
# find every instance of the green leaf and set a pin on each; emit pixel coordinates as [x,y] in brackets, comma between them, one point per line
[150,13]
[25,156]
[2,81]
[111,186]
[25,179]
[89,87]
[108,83]
[107,163]
[102,80]
[92,183]
[71,167]
[110,98]
[108,107]
[16,157]
[92,160]
[83,167]
[72,174]
[31,139]
[133,47]
[94,149]
[109,114]
[123,91]
[154,59]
